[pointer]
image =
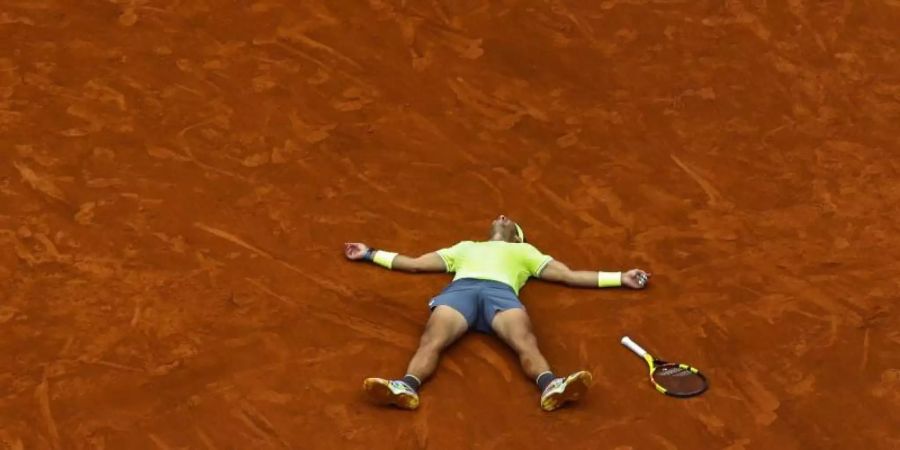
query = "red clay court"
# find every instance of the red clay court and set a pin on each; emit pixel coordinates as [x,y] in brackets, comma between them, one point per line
[177,180]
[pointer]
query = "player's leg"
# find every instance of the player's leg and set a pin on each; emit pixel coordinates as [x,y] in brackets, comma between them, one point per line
[444,327]
[452,313]
[513,326]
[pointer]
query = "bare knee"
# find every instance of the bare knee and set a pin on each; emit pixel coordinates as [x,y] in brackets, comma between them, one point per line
[430,343]
[435,340]
[524,343]
[445,326]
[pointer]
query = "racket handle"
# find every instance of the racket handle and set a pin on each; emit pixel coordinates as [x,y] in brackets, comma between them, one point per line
[626,341]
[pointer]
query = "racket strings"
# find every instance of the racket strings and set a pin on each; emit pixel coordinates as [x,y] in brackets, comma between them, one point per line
[675,372]
[678,380]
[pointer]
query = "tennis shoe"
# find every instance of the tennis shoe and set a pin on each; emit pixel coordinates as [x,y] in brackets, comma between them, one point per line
[391,392]
[563,390]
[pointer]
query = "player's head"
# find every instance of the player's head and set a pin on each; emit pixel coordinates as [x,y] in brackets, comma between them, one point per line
[507,229]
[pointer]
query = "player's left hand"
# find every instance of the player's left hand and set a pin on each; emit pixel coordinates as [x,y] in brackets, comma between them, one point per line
[635,279]
[355,251]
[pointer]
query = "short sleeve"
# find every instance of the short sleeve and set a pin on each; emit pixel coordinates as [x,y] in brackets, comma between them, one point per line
[534,260]
[451,256]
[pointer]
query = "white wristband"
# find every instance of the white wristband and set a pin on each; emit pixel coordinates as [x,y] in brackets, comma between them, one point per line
[384,259]
[609,279]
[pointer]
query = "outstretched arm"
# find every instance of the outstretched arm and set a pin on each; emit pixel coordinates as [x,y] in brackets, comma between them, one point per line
[560,273]
[429,262]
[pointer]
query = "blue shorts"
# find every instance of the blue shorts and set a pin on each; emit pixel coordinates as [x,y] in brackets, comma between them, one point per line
[478,301]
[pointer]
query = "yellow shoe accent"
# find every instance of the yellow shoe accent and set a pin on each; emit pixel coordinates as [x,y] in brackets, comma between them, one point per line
[391,392]
[563,390]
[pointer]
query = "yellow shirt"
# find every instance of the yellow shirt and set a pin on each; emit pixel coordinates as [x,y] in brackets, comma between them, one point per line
[506,262]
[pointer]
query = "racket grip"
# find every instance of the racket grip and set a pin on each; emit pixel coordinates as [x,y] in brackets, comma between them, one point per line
[626,341]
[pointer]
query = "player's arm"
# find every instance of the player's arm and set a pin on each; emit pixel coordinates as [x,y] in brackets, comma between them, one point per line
[429,262]
[558,272]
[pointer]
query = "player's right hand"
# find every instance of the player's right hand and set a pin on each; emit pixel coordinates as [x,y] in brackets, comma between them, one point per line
[635,279]
[355,250]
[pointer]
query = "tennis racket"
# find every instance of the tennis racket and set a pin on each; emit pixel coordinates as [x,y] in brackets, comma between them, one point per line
[675,379]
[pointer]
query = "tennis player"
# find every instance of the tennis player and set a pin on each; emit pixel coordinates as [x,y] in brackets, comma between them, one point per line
[484,296]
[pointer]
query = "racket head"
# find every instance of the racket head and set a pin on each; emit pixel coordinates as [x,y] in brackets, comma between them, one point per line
[678,380]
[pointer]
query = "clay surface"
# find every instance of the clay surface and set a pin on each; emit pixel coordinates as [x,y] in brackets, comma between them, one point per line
[177,179]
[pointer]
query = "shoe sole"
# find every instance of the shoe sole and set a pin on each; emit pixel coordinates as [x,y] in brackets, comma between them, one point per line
[576,387]
[380,393]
